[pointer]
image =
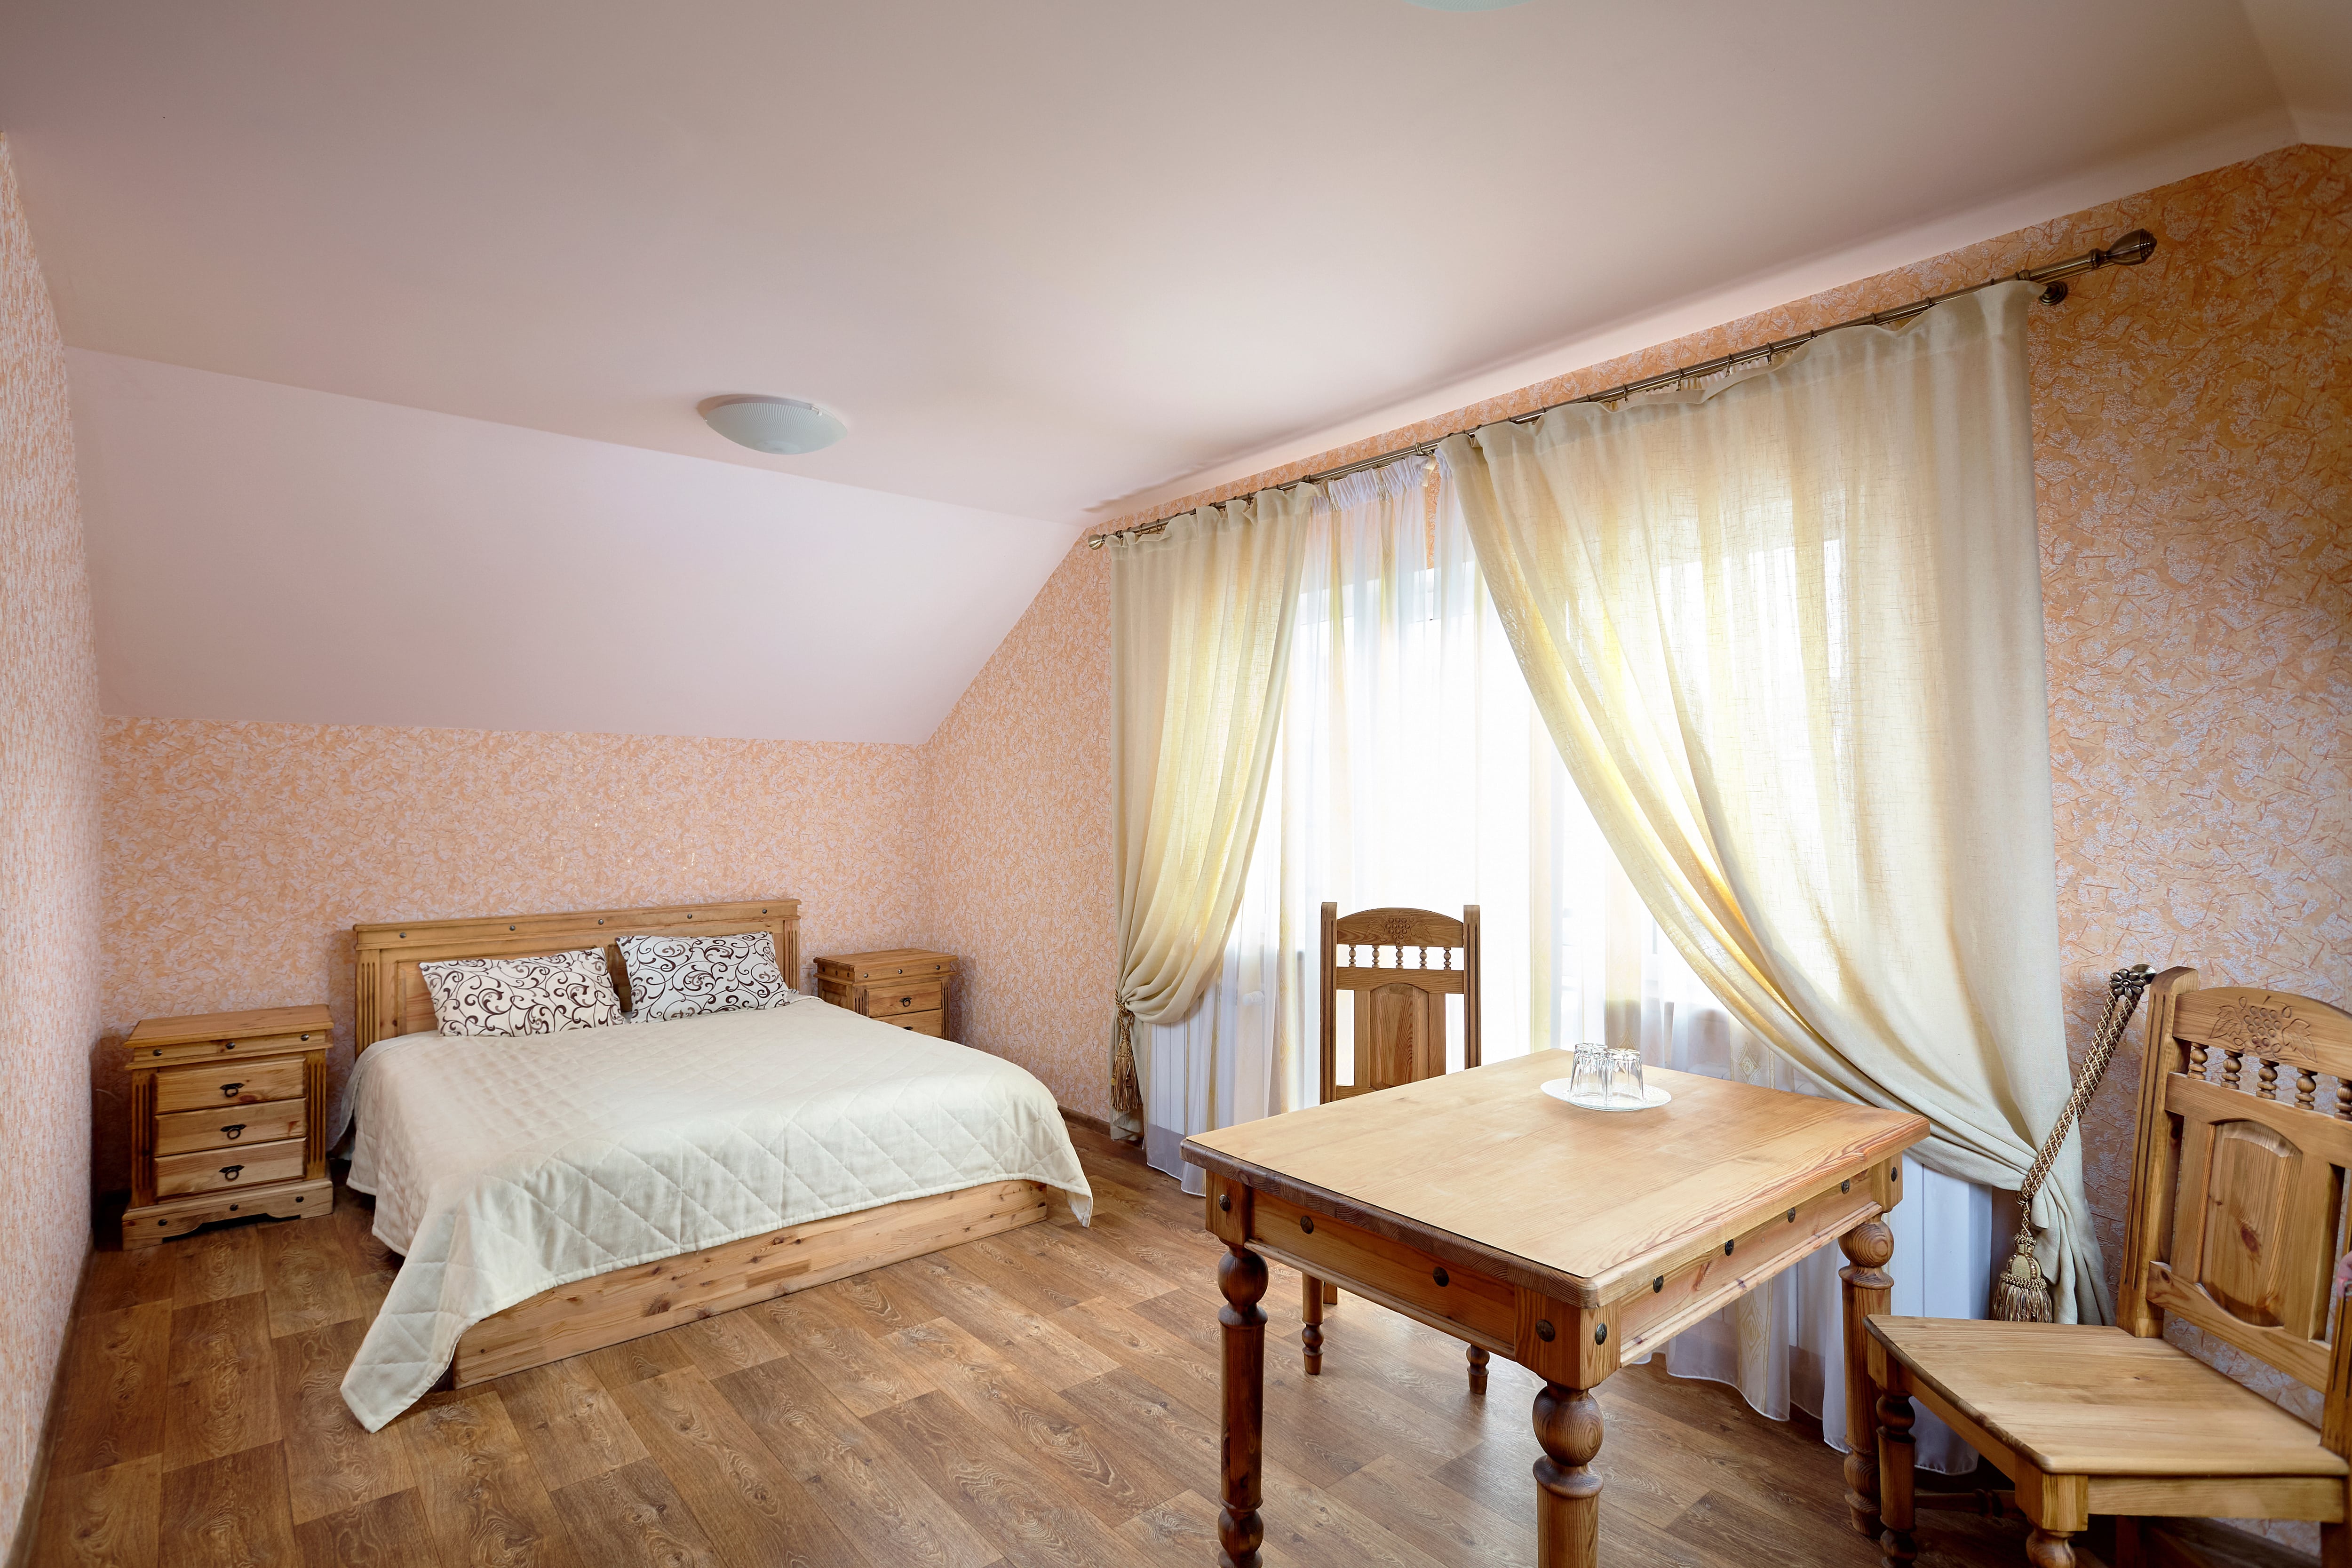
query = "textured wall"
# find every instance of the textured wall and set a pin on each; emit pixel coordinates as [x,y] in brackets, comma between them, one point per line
[1019,798]
[48,855]
[239,856]
[2191,445]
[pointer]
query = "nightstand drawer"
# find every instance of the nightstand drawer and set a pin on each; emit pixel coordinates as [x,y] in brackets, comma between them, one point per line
[228,1083]
[229,1126]
[214,1170]
[215,1051]
[882,1004]
[931,1024]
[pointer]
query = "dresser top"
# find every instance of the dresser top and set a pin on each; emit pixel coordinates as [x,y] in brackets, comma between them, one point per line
[252,1025]
[886,955]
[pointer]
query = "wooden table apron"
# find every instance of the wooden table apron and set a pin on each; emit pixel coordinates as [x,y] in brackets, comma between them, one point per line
[1613,1233]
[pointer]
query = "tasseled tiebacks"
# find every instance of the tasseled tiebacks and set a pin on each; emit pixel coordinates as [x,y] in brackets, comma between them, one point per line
[2020,1294]
[1126,1090]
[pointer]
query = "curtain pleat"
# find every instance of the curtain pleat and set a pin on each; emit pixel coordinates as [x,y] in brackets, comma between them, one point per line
[1201,623]
[1785,634]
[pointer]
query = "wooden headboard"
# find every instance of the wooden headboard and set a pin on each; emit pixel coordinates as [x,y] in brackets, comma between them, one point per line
[391,998]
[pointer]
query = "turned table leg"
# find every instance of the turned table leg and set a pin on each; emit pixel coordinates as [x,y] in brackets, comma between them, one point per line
[1896,1471]
[1868,1245]
[2048,1548]
[1241,1275]
[1477,1359]
[1310,1313]
[1567,1494]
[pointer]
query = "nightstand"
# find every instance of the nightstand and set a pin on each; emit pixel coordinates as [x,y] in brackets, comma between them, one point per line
[228,1117]
[904,986]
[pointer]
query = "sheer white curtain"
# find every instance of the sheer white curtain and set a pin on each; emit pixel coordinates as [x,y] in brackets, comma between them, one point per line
[1402,776]
[1412,768]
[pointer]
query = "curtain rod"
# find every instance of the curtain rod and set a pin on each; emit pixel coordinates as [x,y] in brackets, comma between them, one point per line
[2130,251]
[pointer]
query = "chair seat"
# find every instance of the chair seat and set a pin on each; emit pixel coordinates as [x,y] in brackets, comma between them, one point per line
[2076,1399]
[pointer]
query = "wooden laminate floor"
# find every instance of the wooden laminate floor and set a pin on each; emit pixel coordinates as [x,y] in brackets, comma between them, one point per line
[1046,1398]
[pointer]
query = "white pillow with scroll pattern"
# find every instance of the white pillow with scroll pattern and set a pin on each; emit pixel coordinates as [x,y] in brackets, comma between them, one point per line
[545,994]
[679,977]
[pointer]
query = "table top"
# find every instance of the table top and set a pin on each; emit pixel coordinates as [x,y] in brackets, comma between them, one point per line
[1579,1199]
[253,1025]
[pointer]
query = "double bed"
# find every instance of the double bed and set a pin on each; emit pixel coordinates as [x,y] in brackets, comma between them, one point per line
[552,1193]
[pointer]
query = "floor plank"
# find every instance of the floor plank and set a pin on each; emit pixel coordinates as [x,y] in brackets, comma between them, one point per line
[631,1514]
[1034,1422]
[215,1265]
[118,1370]
[864,1372]
[570,1422]
[751,1508]
[483,1500]
[307,1277]
[1046,1398]
[858,1480]
[222,1388]
[384,1532]
[102,1517]
[228,1513]
[333,1463]
[1007,1498]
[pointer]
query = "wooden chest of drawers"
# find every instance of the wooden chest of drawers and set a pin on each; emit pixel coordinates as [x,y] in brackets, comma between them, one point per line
[228,1117]
[907,986]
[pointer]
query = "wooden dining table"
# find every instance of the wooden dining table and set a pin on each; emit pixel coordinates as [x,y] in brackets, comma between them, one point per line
[1568,1239]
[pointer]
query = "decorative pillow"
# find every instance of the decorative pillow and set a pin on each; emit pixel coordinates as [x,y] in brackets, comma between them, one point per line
[544,994]
[678,977]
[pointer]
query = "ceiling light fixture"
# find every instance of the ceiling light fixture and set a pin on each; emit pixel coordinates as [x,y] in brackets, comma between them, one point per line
[779,424]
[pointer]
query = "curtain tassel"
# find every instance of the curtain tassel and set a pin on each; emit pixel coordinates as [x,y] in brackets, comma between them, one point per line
[2022,1295]
[1125,1091]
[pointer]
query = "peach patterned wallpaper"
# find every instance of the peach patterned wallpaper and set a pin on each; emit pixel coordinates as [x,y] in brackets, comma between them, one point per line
[1018,782]
[48,855]
[239,856]
[2191,436]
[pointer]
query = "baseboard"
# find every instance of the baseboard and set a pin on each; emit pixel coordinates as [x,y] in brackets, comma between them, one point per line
[37,1485]
[1091,1123]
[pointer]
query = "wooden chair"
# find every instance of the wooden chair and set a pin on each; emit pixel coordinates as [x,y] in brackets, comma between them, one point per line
[2237,1210]
[1399,1030]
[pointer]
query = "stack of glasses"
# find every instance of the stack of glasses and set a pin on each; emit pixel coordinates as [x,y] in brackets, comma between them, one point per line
[1606,1080]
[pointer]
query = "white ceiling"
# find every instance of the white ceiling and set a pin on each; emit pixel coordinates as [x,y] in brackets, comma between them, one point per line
[1048,258]
[1040,254]
[269,552]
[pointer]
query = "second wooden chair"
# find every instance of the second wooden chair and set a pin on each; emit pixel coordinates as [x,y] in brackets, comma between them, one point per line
[1398,1034]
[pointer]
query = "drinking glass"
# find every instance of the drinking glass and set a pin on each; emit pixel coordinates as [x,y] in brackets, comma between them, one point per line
[1625,1079]
[1587,1080]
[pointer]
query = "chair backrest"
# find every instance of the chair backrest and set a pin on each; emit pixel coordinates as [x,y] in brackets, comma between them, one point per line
[2239,1184]
[1399,1006]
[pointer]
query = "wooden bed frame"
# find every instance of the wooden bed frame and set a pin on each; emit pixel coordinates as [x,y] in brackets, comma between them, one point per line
[608,1308]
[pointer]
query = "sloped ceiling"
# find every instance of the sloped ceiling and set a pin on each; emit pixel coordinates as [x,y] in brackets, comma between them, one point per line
[1045,257]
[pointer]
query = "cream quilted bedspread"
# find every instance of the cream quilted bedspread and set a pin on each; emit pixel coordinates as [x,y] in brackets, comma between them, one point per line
[505,1167]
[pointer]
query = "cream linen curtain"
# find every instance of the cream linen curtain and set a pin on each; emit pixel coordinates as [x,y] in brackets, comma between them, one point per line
[1786,632]
[1200,624]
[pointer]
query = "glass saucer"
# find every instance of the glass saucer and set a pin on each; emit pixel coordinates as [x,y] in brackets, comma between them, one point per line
[1558,1089]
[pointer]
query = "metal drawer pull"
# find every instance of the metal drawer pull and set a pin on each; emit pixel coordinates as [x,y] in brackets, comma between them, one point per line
[234,1131]
[229,1090]
[905,1001]
[230,1171]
